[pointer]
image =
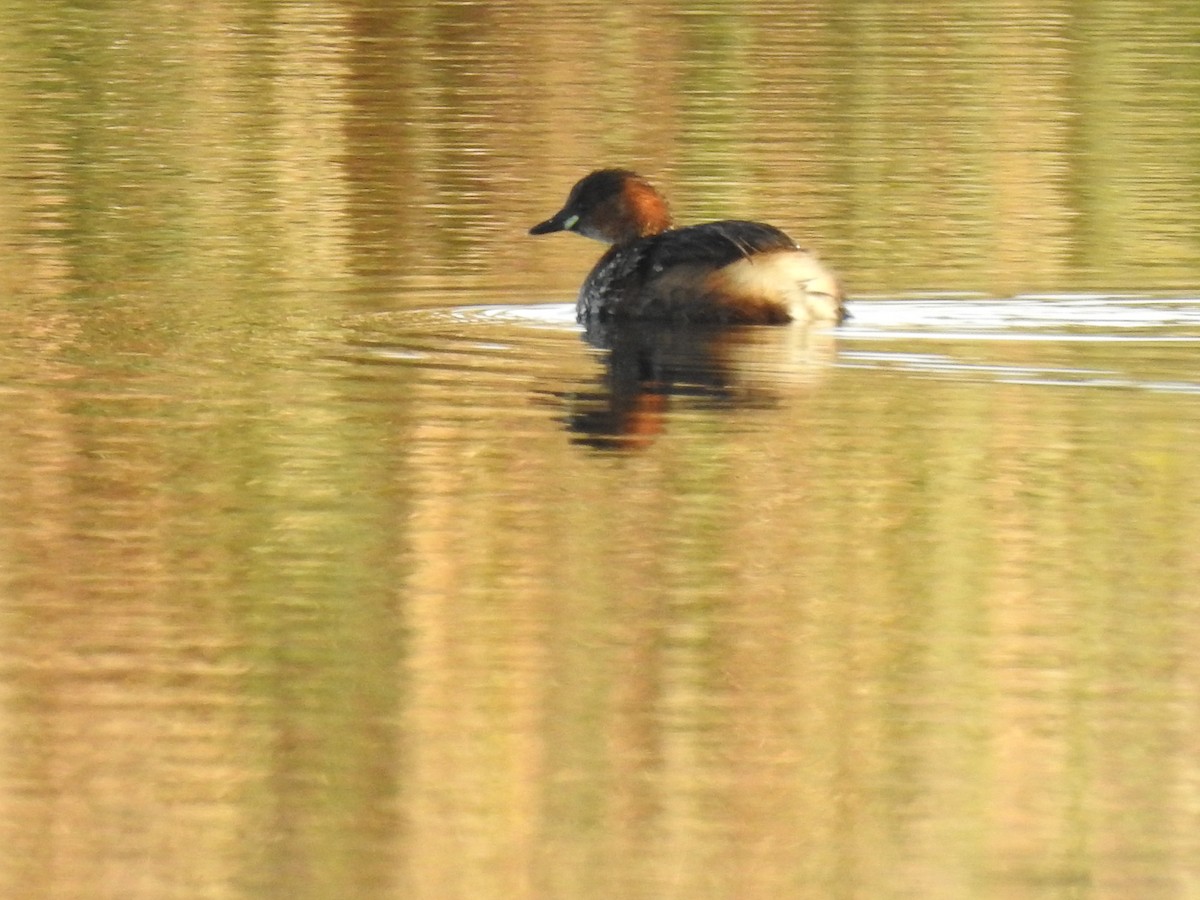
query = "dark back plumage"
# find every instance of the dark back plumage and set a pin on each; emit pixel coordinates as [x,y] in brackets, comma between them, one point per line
[714,244]
[727,272]
[625,280]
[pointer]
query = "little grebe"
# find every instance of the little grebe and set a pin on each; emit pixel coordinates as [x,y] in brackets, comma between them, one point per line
[728,272]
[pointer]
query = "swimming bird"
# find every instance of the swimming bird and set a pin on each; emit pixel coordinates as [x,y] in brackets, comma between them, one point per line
[730,272]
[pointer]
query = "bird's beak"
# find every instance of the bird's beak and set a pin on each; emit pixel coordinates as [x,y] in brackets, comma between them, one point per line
[560,221]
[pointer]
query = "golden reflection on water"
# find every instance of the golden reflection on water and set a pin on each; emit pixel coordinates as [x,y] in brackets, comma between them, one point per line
[848,667]
[302,600]
[995,149]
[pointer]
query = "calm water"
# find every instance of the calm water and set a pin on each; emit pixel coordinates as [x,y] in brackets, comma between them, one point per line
[337,561]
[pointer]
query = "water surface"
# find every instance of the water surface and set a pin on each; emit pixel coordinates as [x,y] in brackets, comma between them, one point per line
[337,560]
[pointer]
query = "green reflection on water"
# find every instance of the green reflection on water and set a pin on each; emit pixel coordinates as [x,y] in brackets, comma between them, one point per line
[283,618]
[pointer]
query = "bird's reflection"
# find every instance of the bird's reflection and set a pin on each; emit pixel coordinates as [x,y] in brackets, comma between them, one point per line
[647,368]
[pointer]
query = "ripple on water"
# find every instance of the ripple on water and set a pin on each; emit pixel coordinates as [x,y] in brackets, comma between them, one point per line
[464,335]
[468,366]
[1060,340]
[1027,318]
[1047,340]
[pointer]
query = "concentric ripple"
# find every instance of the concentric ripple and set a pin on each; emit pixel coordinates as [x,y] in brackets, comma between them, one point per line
[1050,340]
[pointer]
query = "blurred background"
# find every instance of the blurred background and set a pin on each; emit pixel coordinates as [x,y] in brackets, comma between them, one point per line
[310,587]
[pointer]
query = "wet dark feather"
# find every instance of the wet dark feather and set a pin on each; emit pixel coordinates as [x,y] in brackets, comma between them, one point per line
[714,244]
[625,271]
